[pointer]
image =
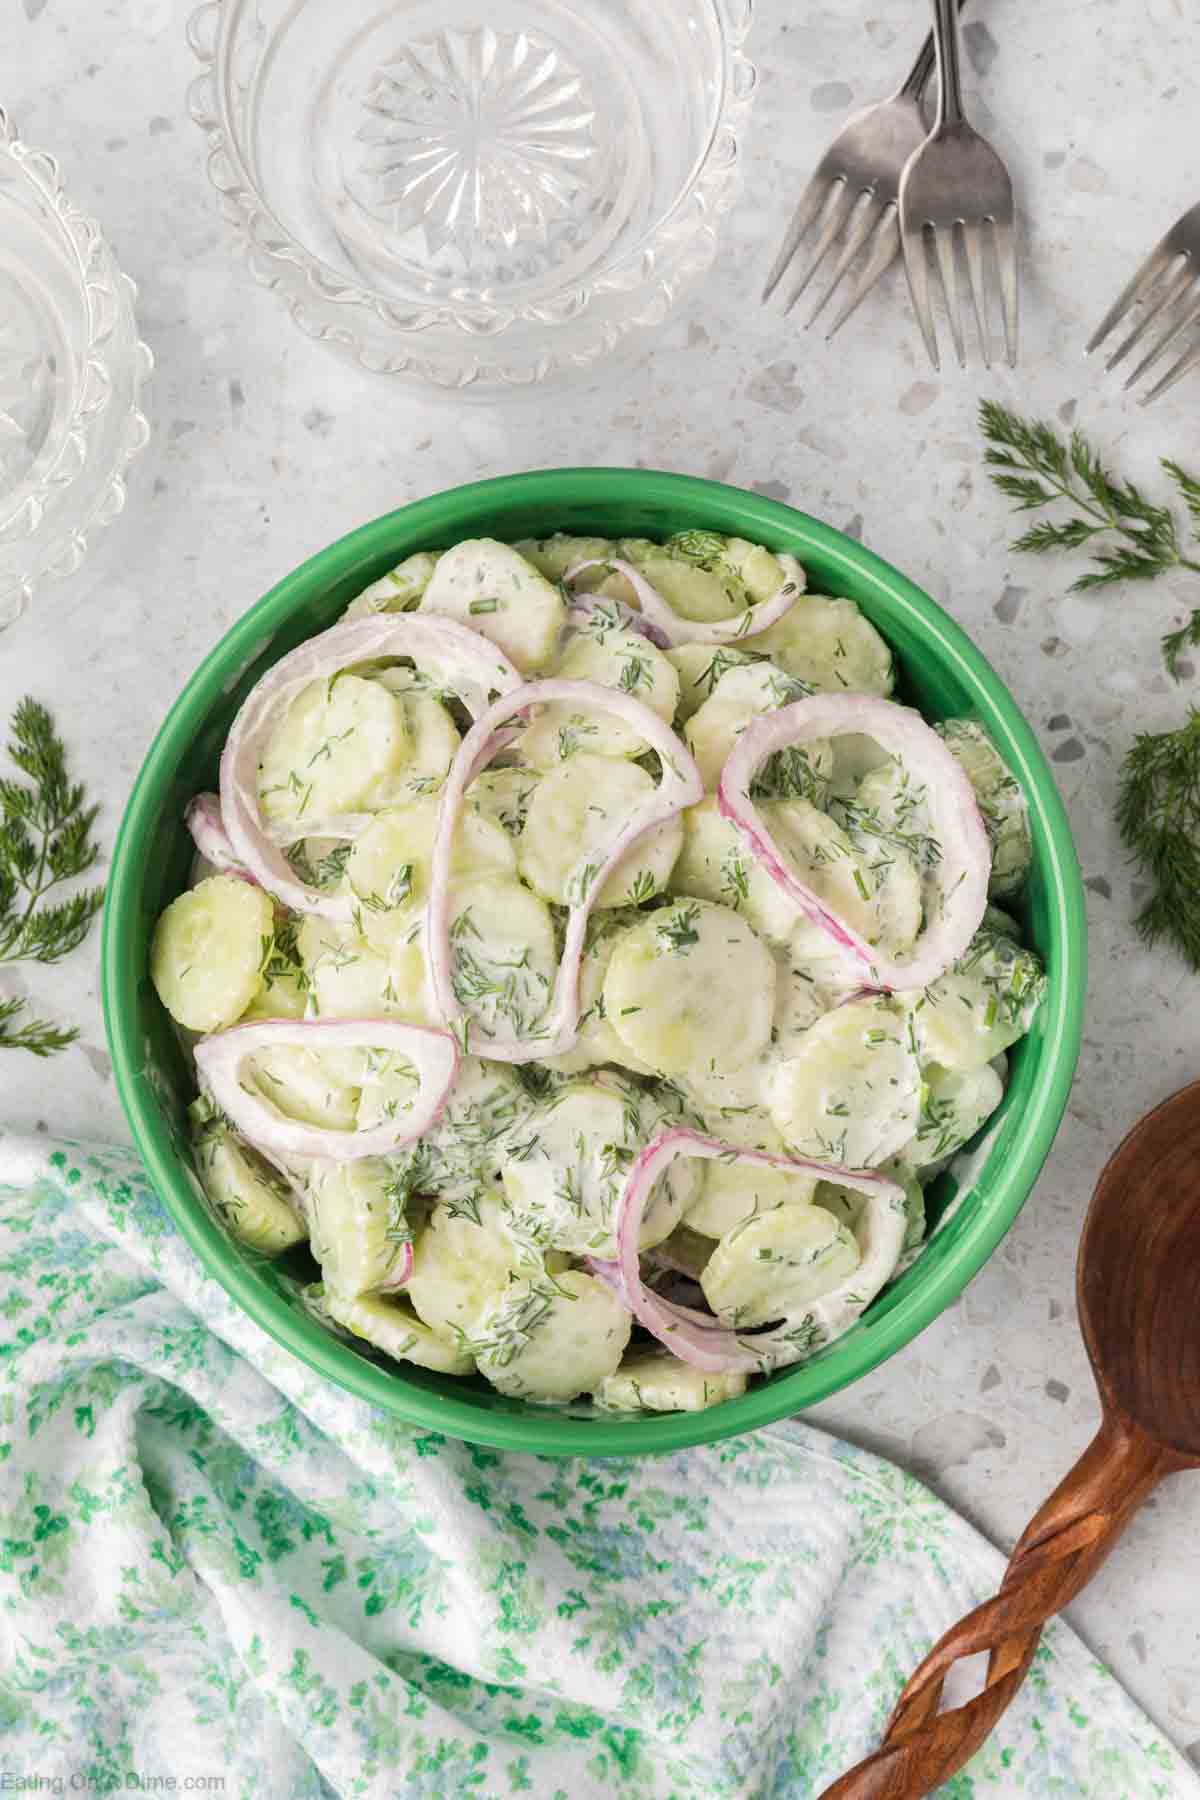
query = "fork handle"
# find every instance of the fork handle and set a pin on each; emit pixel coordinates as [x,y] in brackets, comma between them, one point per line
[922,69]
[945,36]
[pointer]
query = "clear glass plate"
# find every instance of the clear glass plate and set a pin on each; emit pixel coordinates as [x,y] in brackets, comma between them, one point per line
[476,197]
[71,373]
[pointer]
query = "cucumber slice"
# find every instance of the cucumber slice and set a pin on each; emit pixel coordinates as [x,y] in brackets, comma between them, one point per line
[553,556]
[775,1262]
[333,751]
[209,951]
[432,735]
[388,868]
[565,1172]
[502,797]
[715,864]
[618,659]
[656,1381]
[744,693]
[691,987]
[699,667]
[986,1002]
[830,645]
[392,1326]
[874,887]
[458,1161]
[598,1043]
[398,591]
[320,1089]
[734,1191]
[251,1198]
[851,1091]
[689,590]
[551,1338]
[503,955]
[358,1229]
[954,1104]
[461,1262]
[492,588]
[1001,801]
[575,814]
[353,975]
[284,990]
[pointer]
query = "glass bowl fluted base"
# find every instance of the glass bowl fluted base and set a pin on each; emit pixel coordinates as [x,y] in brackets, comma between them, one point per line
[476,198]
[71,374]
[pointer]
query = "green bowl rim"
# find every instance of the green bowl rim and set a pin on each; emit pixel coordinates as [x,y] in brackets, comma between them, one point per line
[551,1433]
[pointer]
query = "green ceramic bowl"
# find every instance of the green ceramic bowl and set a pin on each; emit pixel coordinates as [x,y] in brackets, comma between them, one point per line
[940,671]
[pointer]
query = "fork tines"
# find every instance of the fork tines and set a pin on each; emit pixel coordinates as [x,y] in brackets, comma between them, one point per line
[1167,290]
[961,254]
[853,221]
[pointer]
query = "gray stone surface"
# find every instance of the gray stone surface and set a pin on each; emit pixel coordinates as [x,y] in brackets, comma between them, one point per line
[265,448]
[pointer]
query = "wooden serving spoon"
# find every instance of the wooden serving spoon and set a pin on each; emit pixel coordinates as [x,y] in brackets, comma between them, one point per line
[1138,1288]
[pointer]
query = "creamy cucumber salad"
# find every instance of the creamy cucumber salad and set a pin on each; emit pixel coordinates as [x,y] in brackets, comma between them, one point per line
[589,962]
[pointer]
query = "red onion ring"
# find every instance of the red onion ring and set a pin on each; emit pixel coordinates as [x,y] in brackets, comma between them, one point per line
[700,1339]
[674,629]
[461,660]
[203,820]
[398,1278]
[434,1055]
[680,787]
[966,858]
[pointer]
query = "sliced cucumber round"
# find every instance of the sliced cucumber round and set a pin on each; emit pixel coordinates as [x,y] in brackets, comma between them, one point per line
[334,751]
[617,658]
[744,693]
[250,1196]
[830,645]
[462,1259]
[575,815]
[656,1381]
[1001,801]
[358,1230]
[851,1091]
[392,1326]
[775,1262]
[209,950]
[551,1338]
[503,955]
[491,587]
[986,1002]
[691,987]
[733,1191]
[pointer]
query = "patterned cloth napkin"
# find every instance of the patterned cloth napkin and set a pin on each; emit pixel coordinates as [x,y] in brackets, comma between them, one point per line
[217,1570]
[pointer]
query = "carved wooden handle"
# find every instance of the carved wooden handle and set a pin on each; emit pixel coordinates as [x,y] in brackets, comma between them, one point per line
[1055,1559]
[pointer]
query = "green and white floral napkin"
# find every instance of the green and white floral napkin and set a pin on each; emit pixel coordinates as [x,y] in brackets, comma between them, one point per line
[217,1569]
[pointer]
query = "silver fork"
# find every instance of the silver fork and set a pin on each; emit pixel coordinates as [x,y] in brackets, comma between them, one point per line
[952,187]
[857,184]
[1165,286]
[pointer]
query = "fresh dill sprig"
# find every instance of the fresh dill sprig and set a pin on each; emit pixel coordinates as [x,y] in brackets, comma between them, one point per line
[1029,462]
[45,839]
[1158,814]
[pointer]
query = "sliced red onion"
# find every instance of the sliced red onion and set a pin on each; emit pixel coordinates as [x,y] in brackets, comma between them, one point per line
[203,820]
[673,629]
[700,1339]
[680,786]
[462,662]
[587,606]
[965,864]
[219,1060]
[398,1276]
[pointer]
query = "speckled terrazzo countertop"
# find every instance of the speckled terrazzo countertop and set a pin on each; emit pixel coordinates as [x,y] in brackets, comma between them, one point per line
[265,449]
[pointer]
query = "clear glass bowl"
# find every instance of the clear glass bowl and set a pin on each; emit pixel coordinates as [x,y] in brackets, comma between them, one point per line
[71,374]
[478,197]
